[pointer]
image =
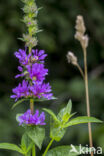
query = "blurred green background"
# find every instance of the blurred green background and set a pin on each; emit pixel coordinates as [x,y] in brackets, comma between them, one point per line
[57,19]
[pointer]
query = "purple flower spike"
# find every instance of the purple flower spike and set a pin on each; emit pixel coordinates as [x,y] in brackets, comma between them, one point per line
[37,72]
[33,70]
[32,119]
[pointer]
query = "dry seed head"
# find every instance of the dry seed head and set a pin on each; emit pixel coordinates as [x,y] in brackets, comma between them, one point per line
[80,26]
[80,30]
[71,58]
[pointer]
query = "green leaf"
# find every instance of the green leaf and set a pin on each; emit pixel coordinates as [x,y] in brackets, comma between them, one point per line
[12,147]
[61,151]
[29,147]
[71,115]
[67,151]
[26,143]
[29,153]
[52,114]
[80,120]
[64,114]
[56,131]
[37,135]
[18,102]
[69,106]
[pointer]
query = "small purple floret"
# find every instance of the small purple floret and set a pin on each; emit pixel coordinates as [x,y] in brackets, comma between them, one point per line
[37,72]
[23,57]
[39,55]
[40,90]
[32,119]
[21,90]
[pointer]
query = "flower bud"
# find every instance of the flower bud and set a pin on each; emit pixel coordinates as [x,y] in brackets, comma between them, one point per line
[30,41]
[31,8]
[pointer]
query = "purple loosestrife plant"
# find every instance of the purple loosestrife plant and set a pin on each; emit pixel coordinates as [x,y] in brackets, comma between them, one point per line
[33,88]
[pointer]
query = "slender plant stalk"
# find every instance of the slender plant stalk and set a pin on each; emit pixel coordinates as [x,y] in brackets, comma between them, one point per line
[87,98]
[33,151]
[81,71]
[49,145]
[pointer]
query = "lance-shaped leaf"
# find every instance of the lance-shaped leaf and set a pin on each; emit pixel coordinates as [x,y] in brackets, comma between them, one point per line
[52,114]
[64,113]
[12,147]
[80,120]
[37,135]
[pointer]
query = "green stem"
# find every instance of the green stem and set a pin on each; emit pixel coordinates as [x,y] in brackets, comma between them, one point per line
[49,145]
[29,49]
[32,106]
[87,98]
[33,151]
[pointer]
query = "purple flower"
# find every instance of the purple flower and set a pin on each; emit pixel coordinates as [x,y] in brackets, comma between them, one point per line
[38,55]
[37,90]
[34,56]
[21,90]
[40,90]
[37,72]
[20,68]
[23,57]
[32,119]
